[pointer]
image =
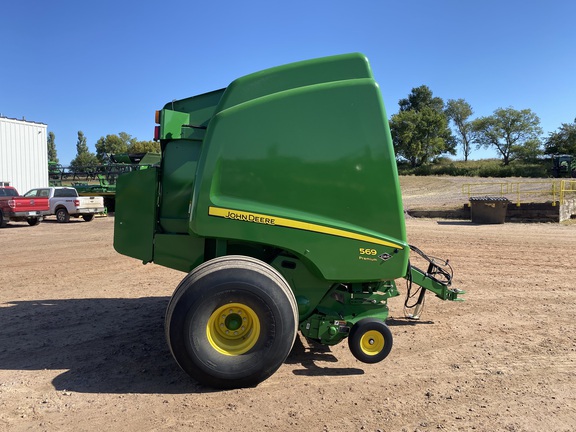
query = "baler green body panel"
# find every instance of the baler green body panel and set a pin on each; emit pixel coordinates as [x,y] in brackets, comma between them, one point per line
[135,220]
[180,159]
[308,160]
[293,76]
[298,157]
[307,167]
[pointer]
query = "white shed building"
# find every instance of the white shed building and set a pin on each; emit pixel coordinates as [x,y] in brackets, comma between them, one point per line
[23,154]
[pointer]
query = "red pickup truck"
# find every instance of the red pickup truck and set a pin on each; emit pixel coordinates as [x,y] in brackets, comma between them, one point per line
[16,208]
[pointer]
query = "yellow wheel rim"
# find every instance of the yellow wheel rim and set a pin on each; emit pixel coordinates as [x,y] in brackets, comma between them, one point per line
[372,342]
[233,329]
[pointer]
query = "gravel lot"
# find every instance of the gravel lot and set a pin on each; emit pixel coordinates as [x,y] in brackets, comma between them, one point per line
[82,344]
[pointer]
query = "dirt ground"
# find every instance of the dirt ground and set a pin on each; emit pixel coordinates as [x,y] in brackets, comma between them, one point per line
[82,344]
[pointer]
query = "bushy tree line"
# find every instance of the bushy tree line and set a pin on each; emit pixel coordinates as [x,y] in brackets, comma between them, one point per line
[426,128]
[105,146]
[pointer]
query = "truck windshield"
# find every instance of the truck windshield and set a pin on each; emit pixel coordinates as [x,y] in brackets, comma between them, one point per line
[65,193]
[33,193]
[8,192]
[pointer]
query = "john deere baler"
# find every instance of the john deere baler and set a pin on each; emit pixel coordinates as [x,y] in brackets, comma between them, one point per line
[279,196]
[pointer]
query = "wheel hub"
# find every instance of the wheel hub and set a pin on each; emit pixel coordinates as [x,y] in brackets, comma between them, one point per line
[372,342]
[233,329]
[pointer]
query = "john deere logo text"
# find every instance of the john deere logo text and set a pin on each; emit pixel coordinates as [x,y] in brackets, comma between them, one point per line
[250,217]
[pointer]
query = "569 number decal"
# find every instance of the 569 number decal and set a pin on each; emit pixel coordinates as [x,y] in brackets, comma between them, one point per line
[364,251]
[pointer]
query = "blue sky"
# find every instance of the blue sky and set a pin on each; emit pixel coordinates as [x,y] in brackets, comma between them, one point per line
[104,67]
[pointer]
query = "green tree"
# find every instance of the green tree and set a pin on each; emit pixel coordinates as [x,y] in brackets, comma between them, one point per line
[529,151]
[144,147]
[52,154]
[459,111]
[419,98]
[420,131]
[563,141]
[514,134]
[113,144]
[84,157]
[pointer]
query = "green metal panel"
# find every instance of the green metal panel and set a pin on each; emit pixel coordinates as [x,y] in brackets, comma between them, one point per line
[151,158]
[295,75]
[309,289]
[310,169]
[178,251]
[180,159]
[171,124]
[135,214]
[298,157]
[200,108]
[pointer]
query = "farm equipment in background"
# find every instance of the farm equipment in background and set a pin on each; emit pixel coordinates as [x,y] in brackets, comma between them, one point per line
[279,196]
[563,166]
[100,180]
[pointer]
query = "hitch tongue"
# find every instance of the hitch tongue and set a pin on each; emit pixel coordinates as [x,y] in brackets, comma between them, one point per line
[437,278]
[428,281]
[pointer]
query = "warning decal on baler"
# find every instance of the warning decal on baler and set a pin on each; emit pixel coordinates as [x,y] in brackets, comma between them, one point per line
[291,223]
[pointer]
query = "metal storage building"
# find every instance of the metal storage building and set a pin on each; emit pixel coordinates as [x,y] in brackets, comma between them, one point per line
[23,154]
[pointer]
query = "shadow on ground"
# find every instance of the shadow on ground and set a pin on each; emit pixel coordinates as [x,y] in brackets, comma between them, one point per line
[312,356]
[106,345]
[112,345]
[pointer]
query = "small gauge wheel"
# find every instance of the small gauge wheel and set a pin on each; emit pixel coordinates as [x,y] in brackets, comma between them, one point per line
[370,340]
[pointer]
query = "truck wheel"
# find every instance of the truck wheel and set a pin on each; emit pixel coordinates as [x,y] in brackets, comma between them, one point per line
[3,221]
[62,215]
[370,340]
[88,217]
[231,322]
[33,221]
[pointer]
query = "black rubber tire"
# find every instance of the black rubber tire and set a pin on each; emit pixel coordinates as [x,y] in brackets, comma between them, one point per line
[88,217]
[33,221]
[231,280]
[370,340]
[3,221]
[62,215]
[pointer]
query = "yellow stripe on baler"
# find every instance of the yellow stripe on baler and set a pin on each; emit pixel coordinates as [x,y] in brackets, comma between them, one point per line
[290,223]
